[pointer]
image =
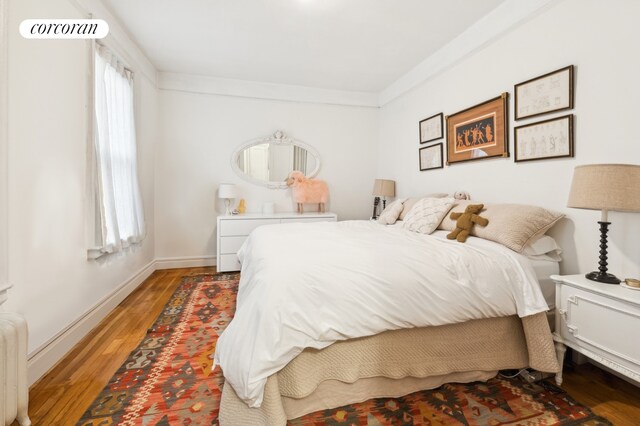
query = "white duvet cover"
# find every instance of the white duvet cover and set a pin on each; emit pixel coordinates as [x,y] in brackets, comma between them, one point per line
[310,285]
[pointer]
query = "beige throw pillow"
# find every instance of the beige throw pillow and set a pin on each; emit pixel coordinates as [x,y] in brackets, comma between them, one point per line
[391,213]
[410,202]
[512,225]
[426,214]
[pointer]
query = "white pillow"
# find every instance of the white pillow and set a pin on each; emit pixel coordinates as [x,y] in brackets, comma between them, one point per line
[426,214]
[391,213]
[543,248]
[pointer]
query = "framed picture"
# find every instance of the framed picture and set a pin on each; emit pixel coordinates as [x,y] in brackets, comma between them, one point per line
[479,132]
[547,93]
[431,128]
[431,157]
[545,139]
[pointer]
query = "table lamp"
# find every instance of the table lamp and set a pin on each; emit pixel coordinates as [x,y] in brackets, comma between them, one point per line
[605,187]
[382,188]
[227,191]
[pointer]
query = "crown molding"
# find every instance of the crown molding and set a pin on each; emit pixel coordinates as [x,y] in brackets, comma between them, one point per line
[490,27]
[259,90]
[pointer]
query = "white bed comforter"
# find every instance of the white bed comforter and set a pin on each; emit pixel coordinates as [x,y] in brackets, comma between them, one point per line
[310,285]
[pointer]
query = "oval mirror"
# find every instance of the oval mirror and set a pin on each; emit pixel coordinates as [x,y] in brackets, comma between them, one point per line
[268,161]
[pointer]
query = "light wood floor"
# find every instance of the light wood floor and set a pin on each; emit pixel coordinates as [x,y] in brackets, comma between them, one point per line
[62,396]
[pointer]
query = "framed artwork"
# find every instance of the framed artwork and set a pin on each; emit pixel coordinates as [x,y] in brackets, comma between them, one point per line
[545,139]
[431,128]
[479,132]
[431,157]
[547,93]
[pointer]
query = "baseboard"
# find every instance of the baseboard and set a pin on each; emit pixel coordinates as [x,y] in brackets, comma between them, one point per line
[184,262]
[42,359]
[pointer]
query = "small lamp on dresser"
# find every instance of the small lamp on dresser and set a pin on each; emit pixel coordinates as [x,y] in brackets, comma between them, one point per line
[382,188]
[605,187]
[227,191]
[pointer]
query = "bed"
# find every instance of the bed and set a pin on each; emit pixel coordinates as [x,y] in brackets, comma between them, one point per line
[335,313]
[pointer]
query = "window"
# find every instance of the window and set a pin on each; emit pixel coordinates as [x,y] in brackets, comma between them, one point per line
[119,216]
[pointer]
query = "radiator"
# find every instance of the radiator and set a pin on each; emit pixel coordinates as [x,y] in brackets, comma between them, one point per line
[14,390]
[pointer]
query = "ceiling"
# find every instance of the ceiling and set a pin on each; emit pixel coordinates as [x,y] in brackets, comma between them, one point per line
[354,45]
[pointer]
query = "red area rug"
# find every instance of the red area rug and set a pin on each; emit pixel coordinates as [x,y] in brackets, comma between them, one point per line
[168,380]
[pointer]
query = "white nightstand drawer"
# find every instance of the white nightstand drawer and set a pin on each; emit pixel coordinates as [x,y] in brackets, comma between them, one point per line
[229,245]
[601,325]
[229,262]
[243,227]
[307,220]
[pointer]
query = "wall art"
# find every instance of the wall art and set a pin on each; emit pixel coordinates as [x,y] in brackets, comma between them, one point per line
[478,132]
[547,93]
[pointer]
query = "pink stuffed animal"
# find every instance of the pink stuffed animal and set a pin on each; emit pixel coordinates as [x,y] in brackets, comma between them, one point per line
[307,190]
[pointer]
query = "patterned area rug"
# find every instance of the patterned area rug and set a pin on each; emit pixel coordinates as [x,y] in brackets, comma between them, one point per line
[168,380]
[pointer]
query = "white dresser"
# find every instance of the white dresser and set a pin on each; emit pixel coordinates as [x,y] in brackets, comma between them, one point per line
[601,321]
[233,230]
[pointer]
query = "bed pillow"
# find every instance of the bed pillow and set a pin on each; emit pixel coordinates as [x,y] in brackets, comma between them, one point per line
[426,214]
[391,213]
[410,202]
[543,248]
[512,225]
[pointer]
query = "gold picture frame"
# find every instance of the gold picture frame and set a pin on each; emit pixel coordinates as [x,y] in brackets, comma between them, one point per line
[479,132]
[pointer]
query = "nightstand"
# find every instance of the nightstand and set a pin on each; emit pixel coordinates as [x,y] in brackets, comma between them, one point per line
[601,321]
[233,230]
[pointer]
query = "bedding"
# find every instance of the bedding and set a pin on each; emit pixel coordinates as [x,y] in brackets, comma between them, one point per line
[410,202]
[543,248]
[390,215]
[395,363]
[356,279]
[426,214]
[512,225]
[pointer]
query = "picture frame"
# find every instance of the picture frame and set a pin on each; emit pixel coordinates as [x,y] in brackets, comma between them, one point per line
[431,128]
[543,140]
[545,94]
[431,157]
[479,132]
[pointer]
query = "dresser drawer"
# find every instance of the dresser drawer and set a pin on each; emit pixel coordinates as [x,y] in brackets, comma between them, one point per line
[229,245]
[307,219]
[601,325]
[240,227]
[228,262]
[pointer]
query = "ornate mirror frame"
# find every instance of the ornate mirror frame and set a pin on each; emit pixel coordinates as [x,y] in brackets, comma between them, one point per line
[278,138]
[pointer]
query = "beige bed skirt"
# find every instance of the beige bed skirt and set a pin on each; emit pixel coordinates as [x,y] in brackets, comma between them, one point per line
[396,363]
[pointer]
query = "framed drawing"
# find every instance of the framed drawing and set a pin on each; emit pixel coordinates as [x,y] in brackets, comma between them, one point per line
[431,157]
[545,139]
[547,93]
[479,132]
[431,128]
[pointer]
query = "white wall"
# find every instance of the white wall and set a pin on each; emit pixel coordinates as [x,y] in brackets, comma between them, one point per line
[54,283]
[199,135]
[601,40]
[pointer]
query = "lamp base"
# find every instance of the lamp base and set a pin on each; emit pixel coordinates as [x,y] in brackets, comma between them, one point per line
[602,278]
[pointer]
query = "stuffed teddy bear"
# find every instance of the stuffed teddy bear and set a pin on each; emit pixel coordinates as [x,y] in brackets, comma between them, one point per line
[464,222]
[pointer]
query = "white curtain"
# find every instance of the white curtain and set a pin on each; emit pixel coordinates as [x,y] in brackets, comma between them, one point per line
[119,213]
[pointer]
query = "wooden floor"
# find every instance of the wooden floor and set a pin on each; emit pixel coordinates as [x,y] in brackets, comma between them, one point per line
[61,396]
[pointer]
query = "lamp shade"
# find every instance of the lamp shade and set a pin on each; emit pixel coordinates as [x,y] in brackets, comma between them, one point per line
[613,187]
[384,188]
[227,190]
